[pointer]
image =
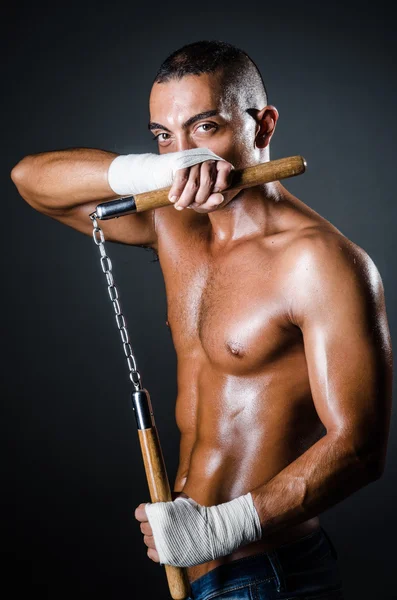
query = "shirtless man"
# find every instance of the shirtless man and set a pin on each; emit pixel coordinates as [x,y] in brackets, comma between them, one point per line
[284,358]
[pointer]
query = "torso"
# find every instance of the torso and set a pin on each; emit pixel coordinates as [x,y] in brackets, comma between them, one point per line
[244,407]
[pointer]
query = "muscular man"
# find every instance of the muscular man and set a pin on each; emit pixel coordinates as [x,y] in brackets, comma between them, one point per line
[284,359]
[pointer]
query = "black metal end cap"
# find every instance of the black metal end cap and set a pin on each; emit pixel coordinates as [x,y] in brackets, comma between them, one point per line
[143,409]
[116,208]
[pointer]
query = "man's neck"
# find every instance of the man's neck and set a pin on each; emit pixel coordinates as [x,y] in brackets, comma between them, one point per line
[249,214]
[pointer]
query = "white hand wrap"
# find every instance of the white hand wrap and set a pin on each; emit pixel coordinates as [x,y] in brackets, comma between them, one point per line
[130,174]
[186,533]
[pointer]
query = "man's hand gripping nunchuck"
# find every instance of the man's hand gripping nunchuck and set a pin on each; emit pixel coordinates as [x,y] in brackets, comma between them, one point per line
[181,532]
[196,179]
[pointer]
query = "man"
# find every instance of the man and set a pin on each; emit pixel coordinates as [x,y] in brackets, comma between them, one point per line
[279,325]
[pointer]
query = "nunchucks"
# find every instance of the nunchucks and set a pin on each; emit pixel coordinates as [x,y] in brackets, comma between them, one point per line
[153,459]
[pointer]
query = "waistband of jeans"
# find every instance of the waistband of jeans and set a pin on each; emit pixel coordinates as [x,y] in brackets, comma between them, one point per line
[252,568]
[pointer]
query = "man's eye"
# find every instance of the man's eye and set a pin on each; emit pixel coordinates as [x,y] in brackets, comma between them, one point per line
[159,138]
[207,126]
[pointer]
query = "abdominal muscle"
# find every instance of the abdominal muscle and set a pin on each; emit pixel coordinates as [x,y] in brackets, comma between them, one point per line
[239,442]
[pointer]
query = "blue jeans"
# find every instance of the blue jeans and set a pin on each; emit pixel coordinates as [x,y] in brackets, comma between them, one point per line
[306,568]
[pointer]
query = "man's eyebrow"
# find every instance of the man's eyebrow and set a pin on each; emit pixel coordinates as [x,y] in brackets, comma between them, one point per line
[153,125]
[202,115]
[191,121]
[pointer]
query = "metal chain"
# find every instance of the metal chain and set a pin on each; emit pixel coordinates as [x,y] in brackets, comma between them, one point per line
[106,265]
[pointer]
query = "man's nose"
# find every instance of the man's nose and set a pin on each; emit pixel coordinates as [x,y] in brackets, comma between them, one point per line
[184,142]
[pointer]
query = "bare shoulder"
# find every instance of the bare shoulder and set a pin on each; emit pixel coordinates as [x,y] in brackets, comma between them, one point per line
[324,250]
[324,265]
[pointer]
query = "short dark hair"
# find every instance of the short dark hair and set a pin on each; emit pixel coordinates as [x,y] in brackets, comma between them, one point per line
[238,70]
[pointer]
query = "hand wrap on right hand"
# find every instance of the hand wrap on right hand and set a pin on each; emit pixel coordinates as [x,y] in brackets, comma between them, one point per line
[130,174]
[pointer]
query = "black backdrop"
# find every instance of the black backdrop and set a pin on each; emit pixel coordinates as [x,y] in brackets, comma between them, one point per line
[79,74]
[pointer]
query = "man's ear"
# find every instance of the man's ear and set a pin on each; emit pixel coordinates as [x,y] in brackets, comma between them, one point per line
[266,124]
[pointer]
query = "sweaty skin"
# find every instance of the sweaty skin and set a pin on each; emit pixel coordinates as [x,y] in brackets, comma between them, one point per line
[284,361]
[244,406]
[236,282]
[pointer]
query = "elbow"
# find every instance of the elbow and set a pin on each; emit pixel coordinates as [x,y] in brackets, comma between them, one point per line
[372,463]
[23,178]
[368,452]
[20,173]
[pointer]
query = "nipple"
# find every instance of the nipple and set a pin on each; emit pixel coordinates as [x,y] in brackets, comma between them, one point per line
[236,349]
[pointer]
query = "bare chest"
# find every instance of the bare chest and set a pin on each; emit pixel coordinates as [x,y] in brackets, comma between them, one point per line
[231,309]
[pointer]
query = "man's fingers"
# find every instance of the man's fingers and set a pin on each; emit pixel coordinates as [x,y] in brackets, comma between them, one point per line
[140,513]
[146,528]
[208,174]
[212,203]
[191,188]
[223,176]
[178,185]
[149,541]
[153,555]
[198,186]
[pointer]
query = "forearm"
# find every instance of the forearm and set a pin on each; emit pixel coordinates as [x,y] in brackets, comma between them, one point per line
[321,477]
[184,533]
[64,178]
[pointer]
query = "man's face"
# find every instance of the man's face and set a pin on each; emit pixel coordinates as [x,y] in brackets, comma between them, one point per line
[193,112]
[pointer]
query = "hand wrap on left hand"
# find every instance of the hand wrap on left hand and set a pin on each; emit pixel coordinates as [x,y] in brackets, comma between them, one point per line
[186,533]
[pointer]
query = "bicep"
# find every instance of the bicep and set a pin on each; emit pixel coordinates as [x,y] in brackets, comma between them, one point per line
[341,312]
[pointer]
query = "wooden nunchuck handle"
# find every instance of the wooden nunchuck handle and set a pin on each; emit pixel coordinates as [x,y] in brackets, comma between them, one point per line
[272,170]
[159,489]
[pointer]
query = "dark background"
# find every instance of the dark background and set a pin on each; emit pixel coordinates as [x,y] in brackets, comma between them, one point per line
[79,74]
